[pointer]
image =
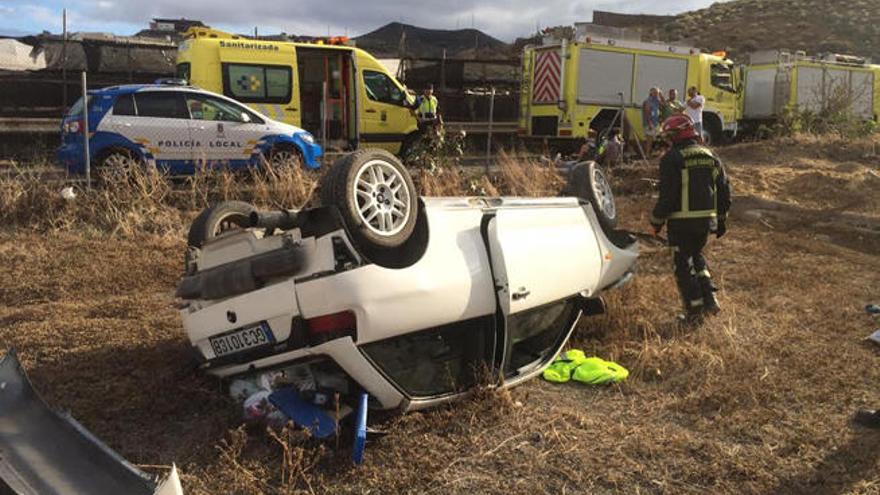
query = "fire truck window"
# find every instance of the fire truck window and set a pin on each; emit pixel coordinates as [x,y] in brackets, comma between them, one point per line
[252,83]
[381,88]
[722,77]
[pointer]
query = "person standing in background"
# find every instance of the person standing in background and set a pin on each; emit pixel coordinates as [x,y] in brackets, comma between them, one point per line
[651,118]
[694,109]
[671,105]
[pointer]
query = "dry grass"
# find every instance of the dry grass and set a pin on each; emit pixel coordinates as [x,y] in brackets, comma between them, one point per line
[758,400]
[145,202]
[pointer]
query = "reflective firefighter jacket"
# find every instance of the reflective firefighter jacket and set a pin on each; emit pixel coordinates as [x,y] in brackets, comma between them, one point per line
[693,184]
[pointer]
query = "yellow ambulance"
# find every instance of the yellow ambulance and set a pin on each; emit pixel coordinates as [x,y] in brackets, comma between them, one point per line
[570,87]
[341,94]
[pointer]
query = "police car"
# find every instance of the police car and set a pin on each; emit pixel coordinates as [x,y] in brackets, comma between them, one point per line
[177,128]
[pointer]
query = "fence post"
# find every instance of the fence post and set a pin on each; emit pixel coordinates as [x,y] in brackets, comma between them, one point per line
[85,130]
[489,134]
[63,61]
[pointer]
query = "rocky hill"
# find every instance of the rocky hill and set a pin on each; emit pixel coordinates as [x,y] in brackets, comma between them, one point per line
[428,43]
[743,26]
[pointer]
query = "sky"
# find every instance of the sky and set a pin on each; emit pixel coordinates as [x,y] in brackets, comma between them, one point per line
[502,19]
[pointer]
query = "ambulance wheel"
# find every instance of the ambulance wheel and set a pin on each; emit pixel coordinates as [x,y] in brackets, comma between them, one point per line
[586,181]
[375,196]
[218,219]
[117,164]
[284,156]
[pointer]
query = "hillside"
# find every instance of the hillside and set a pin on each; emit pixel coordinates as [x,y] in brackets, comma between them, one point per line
[427,43]
[744,26]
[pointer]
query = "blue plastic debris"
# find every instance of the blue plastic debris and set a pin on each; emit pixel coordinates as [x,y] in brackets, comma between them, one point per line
[360,430]
[303,413]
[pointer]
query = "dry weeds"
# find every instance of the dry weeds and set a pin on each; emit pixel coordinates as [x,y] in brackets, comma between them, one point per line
[758,400]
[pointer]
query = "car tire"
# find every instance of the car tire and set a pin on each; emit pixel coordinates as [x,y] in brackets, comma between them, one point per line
[376,197]
[118,163]
[586,181]
[284,156]
[217,219]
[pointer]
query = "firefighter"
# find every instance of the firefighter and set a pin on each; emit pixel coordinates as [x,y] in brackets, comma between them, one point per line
[694,201]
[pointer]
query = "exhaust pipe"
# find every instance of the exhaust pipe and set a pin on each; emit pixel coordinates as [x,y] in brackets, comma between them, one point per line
[271,220]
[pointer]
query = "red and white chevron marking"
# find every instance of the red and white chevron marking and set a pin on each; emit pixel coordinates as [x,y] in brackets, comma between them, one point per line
[548,65]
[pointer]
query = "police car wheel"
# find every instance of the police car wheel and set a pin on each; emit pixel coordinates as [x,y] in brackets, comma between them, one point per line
[376,197]
[587,181]
[118,164]
[282,157]
[217,219]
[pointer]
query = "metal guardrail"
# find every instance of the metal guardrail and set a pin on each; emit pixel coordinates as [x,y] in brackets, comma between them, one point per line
[482,127]
[13,125]
[20,125]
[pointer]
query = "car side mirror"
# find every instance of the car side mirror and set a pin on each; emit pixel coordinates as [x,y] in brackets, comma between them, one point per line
[245,117]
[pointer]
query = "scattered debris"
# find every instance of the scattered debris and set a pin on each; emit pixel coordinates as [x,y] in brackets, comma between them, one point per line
[872,309]
[45,451]
[68,193]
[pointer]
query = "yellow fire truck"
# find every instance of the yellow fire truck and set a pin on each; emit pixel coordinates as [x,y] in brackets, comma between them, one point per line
[569,88]
[339,93]
[776,80]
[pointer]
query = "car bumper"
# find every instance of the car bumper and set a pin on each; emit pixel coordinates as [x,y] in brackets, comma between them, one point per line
[310,151]
[70,157]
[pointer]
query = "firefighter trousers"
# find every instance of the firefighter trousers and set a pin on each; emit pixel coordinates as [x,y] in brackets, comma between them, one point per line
[687,239]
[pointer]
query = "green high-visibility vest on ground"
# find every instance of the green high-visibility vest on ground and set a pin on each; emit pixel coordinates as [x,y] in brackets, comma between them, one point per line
[428,106]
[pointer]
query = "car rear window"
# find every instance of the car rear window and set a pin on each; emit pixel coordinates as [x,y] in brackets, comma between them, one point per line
[124,105]
[77,107]
[166,104]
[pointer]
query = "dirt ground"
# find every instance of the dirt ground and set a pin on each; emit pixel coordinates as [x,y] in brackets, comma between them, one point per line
[757,400]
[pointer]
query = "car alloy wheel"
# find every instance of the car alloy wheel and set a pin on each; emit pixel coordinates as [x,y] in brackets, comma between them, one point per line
[284,158]
[383,201]
[119,165]
[602,190]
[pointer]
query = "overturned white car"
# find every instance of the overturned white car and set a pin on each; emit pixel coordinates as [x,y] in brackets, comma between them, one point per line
[409,299]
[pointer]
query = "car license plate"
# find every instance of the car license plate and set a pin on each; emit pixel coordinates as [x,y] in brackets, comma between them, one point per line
[242,340]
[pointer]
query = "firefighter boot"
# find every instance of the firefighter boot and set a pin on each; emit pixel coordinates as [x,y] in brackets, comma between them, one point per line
[708,289]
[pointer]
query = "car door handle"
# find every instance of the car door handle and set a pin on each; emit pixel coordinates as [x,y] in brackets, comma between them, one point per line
[370,110]
[291,109]
[522,293]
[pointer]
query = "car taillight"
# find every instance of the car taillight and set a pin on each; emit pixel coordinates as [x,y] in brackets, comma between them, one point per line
[73,126]
[328,327]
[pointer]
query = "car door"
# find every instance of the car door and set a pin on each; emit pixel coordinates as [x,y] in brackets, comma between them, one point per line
[223,132]
[383,100]
[543,258]
[161,127]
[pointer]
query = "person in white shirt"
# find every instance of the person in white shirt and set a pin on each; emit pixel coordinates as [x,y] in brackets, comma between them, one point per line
[694,109]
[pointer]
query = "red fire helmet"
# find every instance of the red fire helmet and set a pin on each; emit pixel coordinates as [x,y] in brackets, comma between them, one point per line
[679,127]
